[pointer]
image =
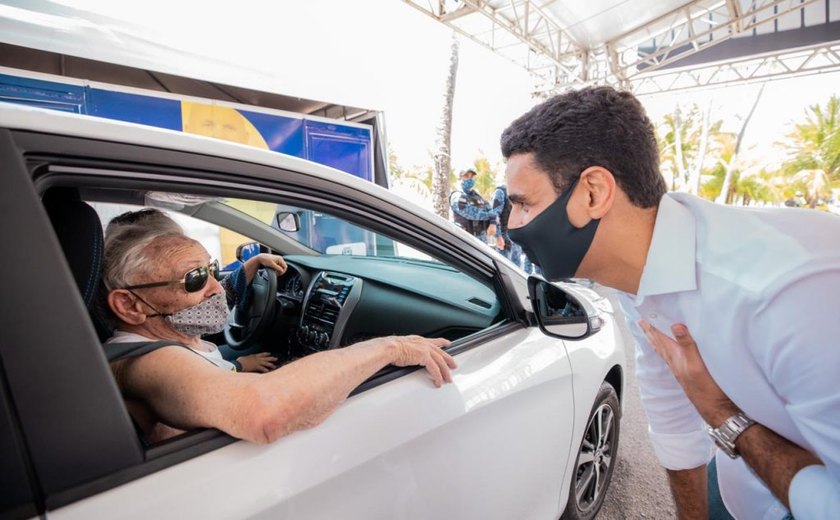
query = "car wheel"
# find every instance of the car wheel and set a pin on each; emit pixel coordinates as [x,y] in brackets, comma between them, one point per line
[596,457]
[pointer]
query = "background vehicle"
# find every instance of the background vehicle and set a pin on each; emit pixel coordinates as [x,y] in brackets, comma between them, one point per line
[530,423]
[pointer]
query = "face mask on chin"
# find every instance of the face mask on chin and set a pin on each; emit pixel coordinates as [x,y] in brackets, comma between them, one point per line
[208,317]
[552,242]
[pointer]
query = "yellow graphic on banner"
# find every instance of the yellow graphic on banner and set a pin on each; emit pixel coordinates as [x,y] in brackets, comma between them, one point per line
[228,124]
[220,122]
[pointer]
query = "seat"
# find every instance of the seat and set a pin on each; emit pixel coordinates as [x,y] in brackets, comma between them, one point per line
[79,232]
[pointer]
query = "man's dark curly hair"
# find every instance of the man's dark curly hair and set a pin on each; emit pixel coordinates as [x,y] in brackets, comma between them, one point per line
[594,126]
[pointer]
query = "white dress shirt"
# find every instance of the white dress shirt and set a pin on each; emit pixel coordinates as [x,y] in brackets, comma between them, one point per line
[759,290]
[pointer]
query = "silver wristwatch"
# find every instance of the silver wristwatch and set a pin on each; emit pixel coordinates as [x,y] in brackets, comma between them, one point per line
[725,435]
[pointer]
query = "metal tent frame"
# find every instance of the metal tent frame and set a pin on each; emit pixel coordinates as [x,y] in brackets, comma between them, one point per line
[651,46]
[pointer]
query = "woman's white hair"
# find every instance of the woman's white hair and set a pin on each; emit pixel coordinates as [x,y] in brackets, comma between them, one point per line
[127,253]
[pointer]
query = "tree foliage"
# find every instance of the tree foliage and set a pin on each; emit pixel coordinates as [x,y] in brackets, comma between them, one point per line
[814,151]
[683,148]
[486,176]
[808,176]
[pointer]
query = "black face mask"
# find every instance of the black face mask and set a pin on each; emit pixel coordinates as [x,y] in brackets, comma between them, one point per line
[552,242]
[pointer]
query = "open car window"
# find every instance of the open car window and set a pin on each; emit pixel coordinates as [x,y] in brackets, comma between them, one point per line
[392,288]
[326,233]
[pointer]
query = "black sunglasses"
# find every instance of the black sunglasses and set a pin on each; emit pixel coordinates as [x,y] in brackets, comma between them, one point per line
[193,281]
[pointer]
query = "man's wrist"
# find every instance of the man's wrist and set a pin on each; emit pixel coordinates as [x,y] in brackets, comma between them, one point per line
[727,435]
[718,413]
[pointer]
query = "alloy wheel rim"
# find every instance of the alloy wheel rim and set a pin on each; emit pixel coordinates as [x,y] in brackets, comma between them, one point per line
[594,459]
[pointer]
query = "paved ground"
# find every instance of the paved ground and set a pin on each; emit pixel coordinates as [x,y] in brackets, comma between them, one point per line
[639,486]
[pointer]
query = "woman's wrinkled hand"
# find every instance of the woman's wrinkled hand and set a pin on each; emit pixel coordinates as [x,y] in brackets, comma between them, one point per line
[424,352]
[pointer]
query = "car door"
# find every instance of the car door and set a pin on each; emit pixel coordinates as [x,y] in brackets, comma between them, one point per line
[494,444]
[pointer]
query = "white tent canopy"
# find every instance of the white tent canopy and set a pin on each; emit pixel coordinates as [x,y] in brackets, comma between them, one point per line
[56,38]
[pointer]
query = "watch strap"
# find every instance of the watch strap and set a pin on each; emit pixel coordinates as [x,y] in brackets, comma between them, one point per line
[727,433]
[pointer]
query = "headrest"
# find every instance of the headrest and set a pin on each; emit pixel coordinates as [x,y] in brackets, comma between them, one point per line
[80,233]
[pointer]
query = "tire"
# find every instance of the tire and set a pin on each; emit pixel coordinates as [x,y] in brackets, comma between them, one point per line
[596,457]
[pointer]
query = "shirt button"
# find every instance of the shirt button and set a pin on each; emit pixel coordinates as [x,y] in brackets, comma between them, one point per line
[653,315]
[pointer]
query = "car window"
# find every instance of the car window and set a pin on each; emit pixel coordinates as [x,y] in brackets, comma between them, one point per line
[221,243]
[317,230]
[403,286]
[326,233]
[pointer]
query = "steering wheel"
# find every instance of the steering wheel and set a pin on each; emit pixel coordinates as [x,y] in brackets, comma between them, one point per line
[247,323]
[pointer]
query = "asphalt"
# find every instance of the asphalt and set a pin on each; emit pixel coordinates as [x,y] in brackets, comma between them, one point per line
[639,487]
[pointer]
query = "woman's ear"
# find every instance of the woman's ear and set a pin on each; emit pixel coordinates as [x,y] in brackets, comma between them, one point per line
[126,307]
[599,185]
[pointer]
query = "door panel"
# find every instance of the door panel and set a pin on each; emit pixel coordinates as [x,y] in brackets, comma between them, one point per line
[491,445]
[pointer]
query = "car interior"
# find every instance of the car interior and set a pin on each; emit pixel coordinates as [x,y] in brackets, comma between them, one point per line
[344,283]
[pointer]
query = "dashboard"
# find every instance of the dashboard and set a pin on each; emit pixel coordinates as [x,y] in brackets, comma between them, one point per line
[341,300]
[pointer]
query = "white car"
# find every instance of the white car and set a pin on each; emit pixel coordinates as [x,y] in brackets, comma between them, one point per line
[528,429]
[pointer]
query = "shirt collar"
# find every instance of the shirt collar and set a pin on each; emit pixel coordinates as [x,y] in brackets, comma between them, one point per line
[671,262]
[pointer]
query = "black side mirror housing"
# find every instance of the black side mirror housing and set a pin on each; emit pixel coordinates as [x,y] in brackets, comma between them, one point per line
[560,312]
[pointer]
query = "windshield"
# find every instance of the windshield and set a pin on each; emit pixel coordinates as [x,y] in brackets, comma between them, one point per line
[326,233]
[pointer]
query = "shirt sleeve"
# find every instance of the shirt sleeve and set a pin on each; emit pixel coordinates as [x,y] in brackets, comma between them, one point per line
[498,201]
[498,205]
[814,494]
[236,287]
[676,430]
[798,337]
[453,201]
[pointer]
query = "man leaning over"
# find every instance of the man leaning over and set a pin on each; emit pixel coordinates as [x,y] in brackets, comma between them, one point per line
[758,289]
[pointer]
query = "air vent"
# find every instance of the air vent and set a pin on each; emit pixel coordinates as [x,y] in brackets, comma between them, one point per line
[324,313]
[480,303]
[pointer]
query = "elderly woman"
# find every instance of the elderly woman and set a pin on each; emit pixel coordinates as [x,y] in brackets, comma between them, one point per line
[162,286]
[130,228]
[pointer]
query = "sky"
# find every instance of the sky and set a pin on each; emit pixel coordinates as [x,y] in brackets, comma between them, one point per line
[384,54]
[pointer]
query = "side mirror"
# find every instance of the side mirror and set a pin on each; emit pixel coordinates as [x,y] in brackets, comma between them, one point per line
[287,221]
[247,250]
[560,312]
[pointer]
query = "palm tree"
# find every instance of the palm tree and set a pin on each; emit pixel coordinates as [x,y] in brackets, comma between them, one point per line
[815,144]
[683,145]
[749,183]
[727,178]
[441,185]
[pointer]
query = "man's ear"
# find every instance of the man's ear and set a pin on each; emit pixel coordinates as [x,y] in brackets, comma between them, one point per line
[600,187]
[126,307]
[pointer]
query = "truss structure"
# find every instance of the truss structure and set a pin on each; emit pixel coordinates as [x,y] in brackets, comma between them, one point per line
[647,58]
[817,59]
